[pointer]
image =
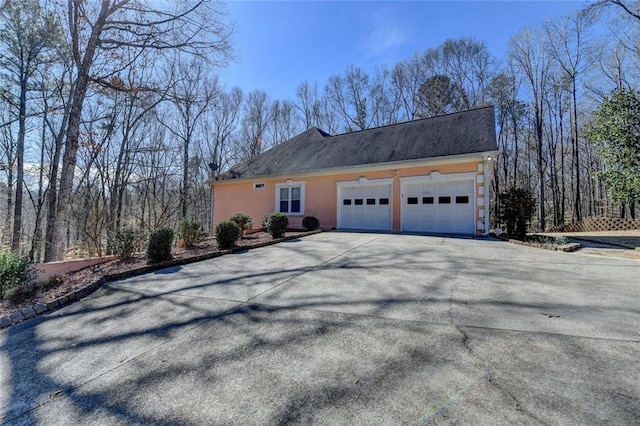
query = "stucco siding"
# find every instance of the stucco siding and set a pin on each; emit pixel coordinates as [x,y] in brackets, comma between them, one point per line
[320,195]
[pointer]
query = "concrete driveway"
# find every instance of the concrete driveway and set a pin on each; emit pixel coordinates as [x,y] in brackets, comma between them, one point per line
[341,328]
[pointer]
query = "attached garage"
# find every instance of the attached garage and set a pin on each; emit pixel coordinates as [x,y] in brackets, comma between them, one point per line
[365,205]
[439,204]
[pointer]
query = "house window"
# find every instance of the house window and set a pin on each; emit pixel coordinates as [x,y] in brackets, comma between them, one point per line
[412,200]
[290,198]
[427,200]
[346,202]
[384,201]
[358,201]
[462,199]
[371,201]
[444,200]
[258,185]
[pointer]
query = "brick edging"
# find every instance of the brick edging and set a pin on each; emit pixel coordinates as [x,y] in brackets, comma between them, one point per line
[81,293]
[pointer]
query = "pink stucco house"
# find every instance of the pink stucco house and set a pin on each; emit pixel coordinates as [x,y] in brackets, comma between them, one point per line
[430,175]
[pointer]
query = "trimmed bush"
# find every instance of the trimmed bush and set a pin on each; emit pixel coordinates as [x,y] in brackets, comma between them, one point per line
[128,241]
[278,223]
[227,233]
[15,271]
[191,232]
[159,247]
[310,223]
[243,221]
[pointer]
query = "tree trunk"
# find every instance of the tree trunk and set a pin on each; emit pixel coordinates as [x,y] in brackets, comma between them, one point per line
[36,243]
[577,207]
[6,230]
[52,197]
[63,210]
[17,207]
[185,179]
[540,164]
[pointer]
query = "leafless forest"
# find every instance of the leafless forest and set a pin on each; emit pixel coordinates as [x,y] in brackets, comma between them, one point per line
[111,114]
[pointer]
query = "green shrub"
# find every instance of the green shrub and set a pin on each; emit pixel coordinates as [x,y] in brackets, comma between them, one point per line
[191,232]
[264,222]
[517,207]
[128,242]
[278,223]
[243,221]
[159,247]
[227,233]
[15,271]
[310,223]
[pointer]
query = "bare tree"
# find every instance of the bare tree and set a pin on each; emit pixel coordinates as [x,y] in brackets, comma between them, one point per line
[98,36]
[566,42]
[630,8]
[7,164]
[348,95]
[222,121]
[308,104]
[407,77]
[256,119]
[27,31]
[469,65]
[526,51]
[190,96]
[284,123]
[386,105]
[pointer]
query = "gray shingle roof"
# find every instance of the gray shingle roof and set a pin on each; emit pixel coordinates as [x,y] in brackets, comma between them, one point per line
[464,132]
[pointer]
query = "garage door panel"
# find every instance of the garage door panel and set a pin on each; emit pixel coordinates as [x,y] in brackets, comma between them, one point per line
[445,207]
[365,207]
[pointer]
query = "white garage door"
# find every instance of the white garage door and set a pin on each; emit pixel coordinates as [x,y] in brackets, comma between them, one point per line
[365,207]
[439,207]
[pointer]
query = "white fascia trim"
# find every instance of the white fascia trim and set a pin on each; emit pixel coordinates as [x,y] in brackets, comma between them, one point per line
[383,181]
[437,176]
[290,185]
[448,159]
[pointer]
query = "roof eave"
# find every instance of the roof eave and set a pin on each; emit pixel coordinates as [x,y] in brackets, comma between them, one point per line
[447,159]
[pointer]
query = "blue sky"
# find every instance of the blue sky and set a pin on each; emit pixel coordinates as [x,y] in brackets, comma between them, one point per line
[280,44]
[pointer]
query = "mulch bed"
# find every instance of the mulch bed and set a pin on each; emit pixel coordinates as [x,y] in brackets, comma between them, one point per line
[539,241]
[75,282]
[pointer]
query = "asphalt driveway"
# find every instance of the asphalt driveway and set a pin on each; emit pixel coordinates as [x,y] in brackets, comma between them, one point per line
[341,328]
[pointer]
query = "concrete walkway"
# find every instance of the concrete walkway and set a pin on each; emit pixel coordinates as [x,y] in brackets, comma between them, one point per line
[341,328]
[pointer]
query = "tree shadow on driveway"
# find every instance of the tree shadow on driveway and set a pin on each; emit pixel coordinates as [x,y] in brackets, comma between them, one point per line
[172,355]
